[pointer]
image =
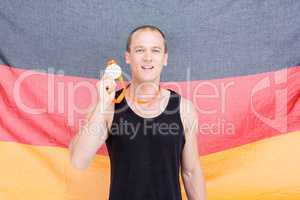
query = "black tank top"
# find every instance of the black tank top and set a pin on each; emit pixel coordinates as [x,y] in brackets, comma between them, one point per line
[145,153]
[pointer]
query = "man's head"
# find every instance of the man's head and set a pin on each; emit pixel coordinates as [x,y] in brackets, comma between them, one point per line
[146,53]
[146,27]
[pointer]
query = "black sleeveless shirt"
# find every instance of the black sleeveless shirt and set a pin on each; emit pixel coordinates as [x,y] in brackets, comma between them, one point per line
[145,153]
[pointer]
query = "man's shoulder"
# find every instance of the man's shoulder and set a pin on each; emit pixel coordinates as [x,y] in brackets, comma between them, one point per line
[186,105]
[188,111]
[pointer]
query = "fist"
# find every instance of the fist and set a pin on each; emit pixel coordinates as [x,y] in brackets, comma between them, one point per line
[106,87]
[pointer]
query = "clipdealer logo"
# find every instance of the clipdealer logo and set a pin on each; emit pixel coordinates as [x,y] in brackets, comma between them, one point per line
[217,94]
[279,97]
[60,96]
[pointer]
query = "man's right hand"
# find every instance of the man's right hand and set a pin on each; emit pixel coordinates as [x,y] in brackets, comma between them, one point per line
[106,91]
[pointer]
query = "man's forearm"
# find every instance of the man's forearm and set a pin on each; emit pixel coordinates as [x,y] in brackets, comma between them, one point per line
[87,141]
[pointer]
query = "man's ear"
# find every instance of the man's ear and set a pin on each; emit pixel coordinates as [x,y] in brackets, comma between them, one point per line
[127,58]
[166,59]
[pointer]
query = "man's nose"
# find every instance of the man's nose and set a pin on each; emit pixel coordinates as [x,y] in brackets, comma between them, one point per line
[148,56]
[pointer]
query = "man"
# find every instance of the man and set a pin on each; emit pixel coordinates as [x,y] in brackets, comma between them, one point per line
[150,135]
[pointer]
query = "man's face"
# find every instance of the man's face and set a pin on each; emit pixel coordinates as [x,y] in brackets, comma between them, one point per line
[147,56]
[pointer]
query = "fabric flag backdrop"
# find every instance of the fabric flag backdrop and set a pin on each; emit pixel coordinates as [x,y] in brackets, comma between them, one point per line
[238,61]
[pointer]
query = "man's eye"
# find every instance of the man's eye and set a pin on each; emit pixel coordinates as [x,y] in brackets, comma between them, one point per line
[156,50]
[139,50]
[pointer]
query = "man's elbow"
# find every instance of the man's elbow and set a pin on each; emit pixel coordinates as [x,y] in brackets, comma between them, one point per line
[191,172]
[80,164]
[77,161]
[188,174]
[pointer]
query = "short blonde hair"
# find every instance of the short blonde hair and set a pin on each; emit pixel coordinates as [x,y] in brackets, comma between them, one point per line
[150,27]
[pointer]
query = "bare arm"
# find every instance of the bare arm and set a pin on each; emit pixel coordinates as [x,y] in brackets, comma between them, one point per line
[93,134]
[192,174]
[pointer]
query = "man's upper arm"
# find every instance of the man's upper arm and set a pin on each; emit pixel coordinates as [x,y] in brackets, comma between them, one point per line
[189,117]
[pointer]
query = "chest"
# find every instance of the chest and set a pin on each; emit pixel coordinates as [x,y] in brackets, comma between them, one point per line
[142,135]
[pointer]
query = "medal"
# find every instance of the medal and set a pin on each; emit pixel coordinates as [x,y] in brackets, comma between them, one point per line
[114,70]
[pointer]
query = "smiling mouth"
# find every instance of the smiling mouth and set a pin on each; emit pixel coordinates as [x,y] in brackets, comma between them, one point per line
[147,67]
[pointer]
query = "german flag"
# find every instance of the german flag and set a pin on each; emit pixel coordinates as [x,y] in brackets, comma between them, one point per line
[238,63]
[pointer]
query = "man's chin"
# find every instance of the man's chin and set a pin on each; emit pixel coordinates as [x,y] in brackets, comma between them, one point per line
[147,79]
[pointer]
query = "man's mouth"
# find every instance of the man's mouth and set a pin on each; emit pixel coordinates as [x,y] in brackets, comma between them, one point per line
[147,67]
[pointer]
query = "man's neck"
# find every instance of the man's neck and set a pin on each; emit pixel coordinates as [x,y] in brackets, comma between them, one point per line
[144,90]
